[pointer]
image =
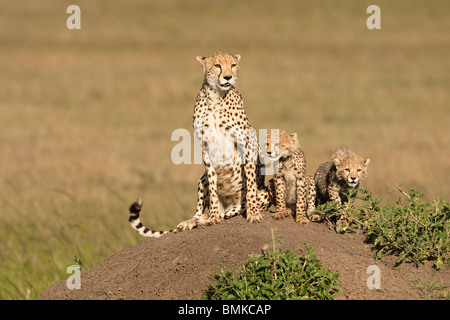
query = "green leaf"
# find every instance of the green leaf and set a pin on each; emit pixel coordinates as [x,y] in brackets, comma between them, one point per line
[438,263]
[401,256]
[380,254]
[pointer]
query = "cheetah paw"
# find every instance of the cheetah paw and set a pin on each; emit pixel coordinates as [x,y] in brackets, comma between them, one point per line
[282,214]
[301,220]
[315,218]
[187,225]
[202,220]
[254,217]
[209,221]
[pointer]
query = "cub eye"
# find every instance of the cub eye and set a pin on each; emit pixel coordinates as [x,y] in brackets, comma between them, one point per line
[233,65]
[347,169]
[217,66]
[358,170]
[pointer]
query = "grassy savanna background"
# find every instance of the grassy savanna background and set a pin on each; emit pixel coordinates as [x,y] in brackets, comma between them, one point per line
[86,116]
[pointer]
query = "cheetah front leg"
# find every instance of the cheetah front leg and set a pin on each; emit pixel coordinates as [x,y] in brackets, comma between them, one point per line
[253,214]
[280,190]
[300,214]
[214,204]
[333,193]
[264,199]
[311,199]
[251,151]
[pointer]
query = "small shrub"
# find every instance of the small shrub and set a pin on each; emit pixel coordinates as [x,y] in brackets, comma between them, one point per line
[410,228]
[281,274]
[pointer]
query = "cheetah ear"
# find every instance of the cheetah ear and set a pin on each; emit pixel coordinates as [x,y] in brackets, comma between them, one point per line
[336,161]
[201,59]
[366,162]
[237,57]
[294,136]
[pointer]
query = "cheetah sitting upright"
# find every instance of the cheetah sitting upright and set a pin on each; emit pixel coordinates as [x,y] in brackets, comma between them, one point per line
[232,183]
[293,189]
[334,178]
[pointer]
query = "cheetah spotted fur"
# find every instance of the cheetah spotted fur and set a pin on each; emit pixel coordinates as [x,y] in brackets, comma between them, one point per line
[292,189]
[334,178]
[232,183]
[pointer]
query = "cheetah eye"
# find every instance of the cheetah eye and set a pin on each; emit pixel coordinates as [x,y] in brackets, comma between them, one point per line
[347,169]
[217,66]
[358,170]
[233,65]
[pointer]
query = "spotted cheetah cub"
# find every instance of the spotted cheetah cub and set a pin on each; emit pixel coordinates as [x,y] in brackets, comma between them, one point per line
[334,178]
[292,189]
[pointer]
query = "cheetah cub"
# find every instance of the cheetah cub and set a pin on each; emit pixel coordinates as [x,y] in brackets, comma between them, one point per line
[334,178]
[291,188]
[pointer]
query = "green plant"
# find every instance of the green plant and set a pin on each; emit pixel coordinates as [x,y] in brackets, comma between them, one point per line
[413,230]
[281,274]
[432,290]
[78,262]
[410,228]
[347,217]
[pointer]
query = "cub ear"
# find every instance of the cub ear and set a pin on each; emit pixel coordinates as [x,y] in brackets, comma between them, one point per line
[294,136]
[237,57]
[336,161]
[366,162]
[201,59]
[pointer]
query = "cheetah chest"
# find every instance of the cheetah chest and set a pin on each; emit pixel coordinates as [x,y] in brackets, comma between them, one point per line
[289,174]
[219,131]
[290,194]
[290,169]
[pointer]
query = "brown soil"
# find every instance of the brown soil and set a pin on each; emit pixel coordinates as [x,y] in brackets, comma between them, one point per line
[181,265]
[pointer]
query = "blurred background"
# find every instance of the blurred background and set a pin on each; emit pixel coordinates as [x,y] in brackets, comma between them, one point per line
[86,116]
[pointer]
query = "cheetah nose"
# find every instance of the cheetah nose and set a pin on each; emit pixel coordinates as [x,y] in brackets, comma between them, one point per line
[227,77]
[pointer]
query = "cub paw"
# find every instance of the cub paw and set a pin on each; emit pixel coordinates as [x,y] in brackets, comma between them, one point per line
[281,214]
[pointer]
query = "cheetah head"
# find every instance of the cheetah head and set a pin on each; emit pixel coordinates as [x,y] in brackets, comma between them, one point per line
[350,167]
[281,144]
[221,70]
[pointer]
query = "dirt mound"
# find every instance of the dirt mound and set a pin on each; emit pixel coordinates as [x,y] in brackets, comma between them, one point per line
[180,266]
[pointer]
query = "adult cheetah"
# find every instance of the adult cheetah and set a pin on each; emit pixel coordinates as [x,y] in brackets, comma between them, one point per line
[232,183]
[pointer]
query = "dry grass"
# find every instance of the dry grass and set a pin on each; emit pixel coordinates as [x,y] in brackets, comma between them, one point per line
[86,116]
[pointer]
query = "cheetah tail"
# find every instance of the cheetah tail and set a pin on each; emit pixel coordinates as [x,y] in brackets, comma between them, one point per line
[135,209]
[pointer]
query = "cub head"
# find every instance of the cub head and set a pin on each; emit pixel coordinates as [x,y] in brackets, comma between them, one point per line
[350,167]
[281,144]
[221,70]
